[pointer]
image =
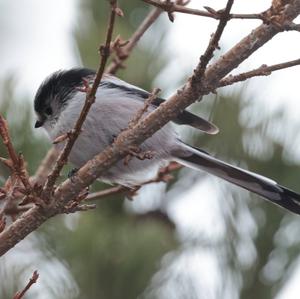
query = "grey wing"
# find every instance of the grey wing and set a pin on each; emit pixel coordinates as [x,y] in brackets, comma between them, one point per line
[184,118]
[188,118]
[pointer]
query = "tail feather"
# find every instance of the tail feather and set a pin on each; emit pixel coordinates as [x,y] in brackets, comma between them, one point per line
[253,182]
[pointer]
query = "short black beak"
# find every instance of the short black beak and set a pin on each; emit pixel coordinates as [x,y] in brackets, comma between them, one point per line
[38,124]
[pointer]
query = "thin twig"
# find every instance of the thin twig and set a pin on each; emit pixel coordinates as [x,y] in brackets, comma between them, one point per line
[125,51]
[33,279]
[162,176]
[45,167]
[170,7]
[17,161]
[107,192]
[264,70]
[90,99]
[212,46]
[74,207]
[152,96]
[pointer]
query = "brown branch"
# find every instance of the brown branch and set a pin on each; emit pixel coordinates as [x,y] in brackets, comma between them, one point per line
[33,279]
[292,27]
[264,70]
[171,7]
[90,99]
[16,162]
[45,167]
[197,78]
[152,96]
[188,94]
[74,207]
[123,52]
[162,176]
[107,192]
[2,223]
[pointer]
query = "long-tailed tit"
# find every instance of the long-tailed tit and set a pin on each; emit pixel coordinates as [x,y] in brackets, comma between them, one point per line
[59,101]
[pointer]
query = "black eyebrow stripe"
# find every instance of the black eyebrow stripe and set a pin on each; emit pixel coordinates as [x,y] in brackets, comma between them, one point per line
[184,118]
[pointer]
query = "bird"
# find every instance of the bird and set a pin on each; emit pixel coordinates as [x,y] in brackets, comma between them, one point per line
[59,101]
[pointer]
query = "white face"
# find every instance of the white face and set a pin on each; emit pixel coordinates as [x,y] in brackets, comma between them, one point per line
[47,116]
[62,117]
[54,94]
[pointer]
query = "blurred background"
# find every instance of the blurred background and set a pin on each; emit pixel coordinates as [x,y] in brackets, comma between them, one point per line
[197,237]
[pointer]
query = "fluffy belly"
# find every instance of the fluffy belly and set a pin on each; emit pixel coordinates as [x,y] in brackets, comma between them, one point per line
[132,173]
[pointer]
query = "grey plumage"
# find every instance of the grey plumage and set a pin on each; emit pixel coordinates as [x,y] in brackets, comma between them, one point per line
[116,104]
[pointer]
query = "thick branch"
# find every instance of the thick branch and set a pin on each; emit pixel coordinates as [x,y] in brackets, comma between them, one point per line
[30,220]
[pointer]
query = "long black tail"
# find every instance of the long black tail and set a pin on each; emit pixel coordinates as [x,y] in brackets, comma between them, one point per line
[256,183]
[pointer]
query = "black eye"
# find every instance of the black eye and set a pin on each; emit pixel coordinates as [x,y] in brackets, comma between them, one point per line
[48,111]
